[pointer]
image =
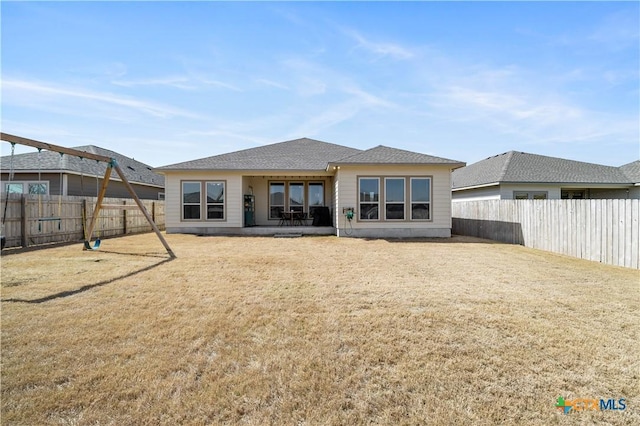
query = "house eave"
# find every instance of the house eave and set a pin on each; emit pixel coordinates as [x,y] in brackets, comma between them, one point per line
[252,172]
[575,184]
[452,166]
[484,185]
[560,184]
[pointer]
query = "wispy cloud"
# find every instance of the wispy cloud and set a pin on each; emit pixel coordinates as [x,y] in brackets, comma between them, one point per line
[272,83]
[535,118]
[380,49]
[178,82]
[618,31]
[356,101]
[13,90]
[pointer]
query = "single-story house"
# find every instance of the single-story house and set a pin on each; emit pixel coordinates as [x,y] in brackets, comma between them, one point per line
[519,175]
[379,192]
[51,173]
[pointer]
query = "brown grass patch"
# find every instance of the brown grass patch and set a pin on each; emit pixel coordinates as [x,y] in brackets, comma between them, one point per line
[314,331]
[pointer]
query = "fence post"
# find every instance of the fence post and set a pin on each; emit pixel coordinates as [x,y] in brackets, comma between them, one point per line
[23,221]
[124,219]
[83,215]
[153,210]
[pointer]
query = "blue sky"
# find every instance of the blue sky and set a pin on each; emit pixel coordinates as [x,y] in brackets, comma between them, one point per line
[166,82]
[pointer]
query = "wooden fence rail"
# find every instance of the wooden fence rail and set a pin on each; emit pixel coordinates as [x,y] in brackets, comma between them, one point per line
[35,220]
[606,231]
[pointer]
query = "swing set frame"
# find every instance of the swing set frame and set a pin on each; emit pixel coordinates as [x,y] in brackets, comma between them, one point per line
[112,164]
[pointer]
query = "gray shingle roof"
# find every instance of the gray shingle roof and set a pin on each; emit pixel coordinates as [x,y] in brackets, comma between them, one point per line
[48,161]
[521,167]
[305,154]
[632,171]
[298,154]
[385,155]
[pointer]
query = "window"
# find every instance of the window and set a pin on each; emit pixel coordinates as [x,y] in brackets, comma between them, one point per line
[191,200]
[296,197]
[572,195]
[420,198]
[529,195]
[31,187]
[315,196]
[38,188]
[369,198]
[394,198]
[520,195]
[14,188]
[276,200]
[215,200]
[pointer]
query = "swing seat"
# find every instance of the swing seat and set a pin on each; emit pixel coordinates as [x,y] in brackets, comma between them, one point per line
[96,245]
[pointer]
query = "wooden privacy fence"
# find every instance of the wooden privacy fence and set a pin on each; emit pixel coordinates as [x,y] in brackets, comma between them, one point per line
[604,231]
[34,220]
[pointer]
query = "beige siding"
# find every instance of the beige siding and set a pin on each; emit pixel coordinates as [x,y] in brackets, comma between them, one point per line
[347,195]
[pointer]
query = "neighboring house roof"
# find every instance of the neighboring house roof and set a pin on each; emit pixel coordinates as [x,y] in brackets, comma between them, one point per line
[632,171]
[305,154]
[385,155]
[49,161]
[521,167]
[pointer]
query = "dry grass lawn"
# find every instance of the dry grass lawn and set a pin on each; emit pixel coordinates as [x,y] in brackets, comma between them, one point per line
[314,330]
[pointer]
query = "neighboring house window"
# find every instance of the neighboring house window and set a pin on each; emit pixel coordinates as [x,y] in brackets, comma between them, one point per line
[369,190]
[191,200]
[420,198]
[161,196]
[572,195]
[529,195]
[215,200]
[315,196]
[276,200]
[14,188]
[38,188]
[296,196]
[394,198]
[32,187]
